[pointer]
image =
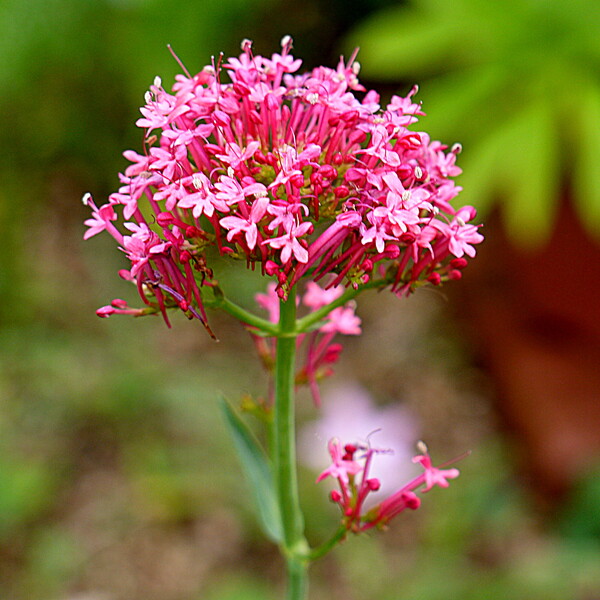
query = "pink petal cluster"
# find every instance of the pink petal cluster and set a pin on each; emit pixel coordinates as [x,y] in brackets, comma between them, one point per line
[350,467]
[306,175]
[318,349]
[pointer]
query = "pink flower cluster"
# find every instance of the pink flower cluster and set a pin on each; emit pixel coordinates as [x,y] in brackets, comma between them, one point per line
[305,175]
[320,353]
[350,466]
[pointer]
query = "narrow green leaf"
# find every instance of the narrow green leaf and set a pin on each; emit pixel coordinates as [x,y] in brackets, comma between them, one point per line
[257,470]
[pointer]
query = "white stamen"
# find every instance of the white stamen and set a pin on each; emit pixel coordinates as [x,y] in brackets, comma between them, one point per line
[418,172]
[86,199]
[312,98]
[406,195]
[286,40]
[460,221]
[422,447]
[197,182]
[246,45]
[456,149]
[148,97]
[157,82]
[230,172]
[356,67]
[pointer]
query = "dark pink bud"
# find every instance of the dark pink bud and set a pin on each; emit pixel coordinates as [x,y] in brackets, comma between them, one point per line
[392,251]
[328,172]
[373,484]
[183,305]
[458,263]
[435,278]
[455,274]
[105,311]
[184,256]
[316,179]
[367,265]
[335,496]
[350,449]
[164,219]
[271,268]
[411,500]
[341,191]
[118,303]
[338,159]
[332,353]
[125,274]
[408,237]
[297,180]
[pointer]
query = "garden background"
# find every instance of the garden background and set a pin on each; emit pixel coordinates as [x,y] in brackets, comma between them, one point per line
[117,478]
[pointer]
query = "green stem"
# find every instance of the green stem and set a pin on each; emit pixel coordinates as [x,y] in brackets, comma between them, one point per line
[241,314]
[297,579]
[324,548]
[294,545]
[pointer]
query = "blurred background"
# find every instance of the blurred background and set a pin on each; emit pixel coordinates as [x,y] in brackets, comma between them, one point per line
[117,478]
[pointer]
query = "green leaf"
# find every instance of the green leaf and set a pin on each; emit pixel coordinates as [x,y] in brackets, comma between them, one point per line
[533,176]
[258,472]
[517,164]
[587,174]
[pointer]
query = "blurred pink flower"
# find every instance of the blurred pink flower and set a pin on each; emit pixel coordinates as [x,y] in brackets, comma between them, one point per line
[348,413]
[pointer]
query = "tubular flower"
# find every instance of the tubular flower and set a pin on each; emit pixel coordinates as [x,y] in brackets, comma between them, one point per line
[350,466]
[317,347]
[294,171]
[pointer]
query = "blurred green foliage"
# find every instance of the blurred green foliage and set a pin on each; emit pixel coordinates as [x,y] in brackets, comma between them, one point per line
[111,429]
[517,83]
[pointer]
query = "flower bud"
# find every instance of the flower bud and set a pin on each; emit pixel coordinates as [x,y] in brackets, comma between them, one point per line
[105,311]
[164,219]
[335,496]
[373,484]
[435,278]
[458,263]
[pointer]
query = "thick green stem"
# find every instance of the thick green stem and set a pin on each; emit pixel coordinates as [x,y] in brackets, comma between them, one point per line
[294,544]
[297,579]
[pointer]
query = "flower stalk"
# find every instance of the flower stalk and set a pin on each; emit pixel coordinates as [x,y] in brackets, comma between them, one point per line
[293,544]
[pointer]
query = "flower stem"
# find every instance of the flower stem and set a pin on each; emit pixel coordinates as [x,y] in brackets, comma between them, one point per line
[294,544]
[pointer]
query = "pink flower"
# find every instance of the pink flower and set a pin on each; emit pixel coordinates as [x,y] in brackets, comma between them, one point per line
[290,245]
[342,466]
[101,218]
[342,320]
[247,225]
